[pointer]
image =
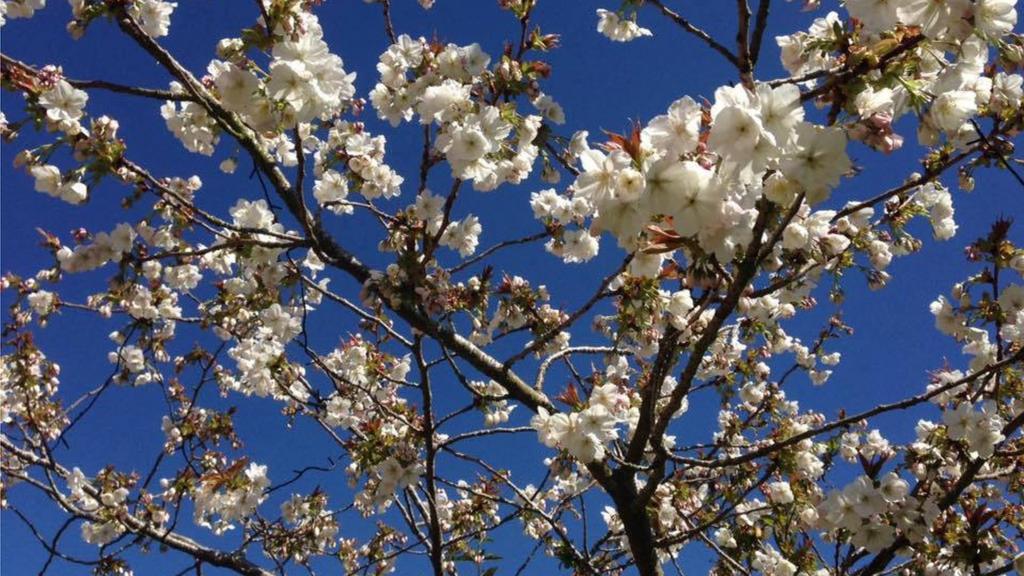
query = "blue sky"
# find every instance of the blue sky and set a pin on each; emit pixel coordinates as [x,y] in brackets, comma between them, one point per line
[602,85]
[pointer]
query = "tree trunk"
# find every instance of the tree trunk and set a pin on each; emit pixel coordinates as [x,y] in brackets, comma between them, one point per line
[637,525]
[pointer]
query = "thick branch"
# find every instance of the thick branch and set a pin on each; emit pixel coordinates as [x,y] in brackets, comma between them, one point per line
[746,65]
[746,272]
[436,560]
[760,25]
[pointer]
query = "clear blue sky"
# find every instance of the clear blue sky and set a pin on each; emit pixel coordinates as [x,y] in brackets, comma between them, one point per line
[601,85]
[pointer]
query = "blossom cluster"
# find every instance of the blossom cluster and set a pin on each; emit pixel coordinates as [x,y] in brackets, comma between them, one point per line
[585,433]
[482,142]
[225,497]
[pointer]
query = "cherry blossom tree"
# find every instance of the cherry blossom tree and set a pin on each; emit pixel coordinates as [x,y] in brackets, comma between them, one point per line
[726,223]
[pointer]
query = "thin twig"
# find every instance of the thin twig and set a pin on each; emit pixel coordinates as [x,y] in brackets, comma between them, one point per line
[153,93]
[500,245]
[698,32]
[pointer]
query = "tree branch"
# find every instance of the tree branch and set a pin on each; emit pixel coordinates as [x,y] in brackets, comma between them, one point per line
[8,63]
[231,561]
[843,422]
[699,33]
